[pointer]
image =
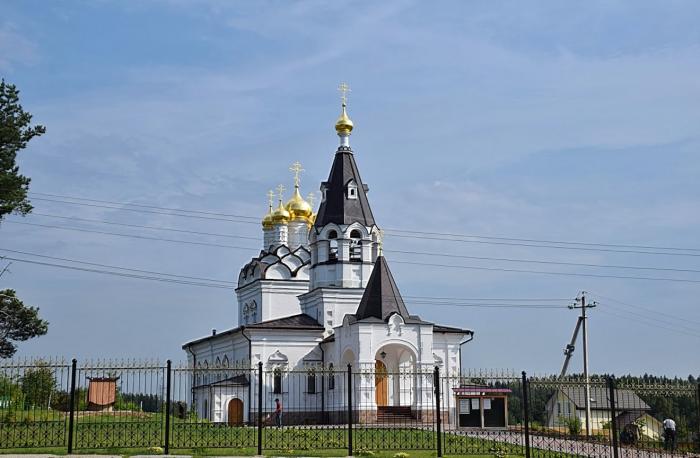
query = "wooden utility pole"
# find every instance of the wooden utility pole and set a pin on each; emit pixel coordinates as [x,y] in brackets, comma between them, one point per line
[581,304]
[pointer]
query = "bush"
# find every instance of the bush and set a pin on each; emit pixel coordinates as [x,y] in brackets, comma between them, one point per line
[536,426]
[401,455]
[572,423]
[155,450]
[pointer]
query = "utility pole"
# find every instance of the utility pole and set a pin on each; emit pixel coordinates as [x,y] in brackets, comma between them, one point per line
[581,304]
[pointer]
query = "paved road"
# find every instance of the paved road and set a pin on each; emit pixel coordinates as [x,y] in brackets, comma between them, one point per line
[572,447]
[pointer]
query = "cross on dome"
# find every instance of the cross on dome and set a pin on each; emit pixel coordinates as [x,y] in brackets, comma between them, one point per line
[344,89]
[296,168]
[344,125]
[280,191]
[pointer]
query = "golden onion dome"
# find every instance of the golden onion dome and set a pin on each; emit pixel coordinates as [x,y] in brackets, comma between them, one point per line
[344,124]
[280,215]
[267,219]
[298,208]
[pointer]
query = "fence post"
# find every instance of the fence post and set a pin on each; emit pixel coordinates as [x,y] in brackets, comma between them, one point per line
[436,383]
[168,370]
[71,416]
[526,413]
[613,416]
[697,403]
[260,407]
[350,387]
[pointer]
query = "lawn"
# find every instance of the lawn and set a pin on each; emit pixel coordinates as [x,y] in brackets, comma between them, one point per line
[133,434]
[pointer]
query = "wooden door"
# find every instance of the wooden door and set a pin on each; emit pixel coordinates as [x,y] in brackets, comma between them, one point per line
[381,384]
[235,412]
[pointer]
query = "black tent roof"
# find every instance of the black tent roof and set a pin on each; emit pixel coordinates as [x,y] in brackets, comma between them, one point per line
[337,208]
[382,297]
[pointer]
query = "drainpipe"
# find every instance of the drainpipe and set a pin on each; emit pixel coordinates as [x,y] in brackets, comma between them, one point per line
[194,371]
[469,339]
[250,373]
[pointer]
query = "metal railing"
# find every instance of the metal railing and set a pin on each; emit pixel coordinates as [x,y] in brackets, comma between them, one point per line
[141,404]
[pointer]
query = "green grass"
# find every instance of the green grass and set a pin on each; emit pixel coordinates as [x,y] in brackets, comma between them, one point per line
[134,434]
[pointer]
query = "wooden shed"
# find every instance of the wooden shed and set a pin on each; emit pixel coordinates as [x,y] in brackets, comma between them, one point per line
[102,393]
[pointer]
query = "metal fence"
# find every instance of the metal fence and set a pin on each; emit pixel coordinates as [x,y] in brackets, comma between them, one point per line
[140,404]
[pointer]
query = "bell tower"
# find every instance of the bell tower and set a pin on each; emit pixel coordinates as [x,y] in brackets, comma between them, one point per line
[343,239]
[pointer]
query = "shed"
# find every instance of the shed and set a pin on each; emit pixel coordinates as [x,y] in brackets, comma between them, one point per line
[482,406]
[102,393]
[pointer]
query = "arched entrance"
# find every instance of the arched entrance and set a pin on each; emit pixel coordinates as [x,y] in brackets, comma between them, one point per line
[381,384]
[235,412]
[395,378]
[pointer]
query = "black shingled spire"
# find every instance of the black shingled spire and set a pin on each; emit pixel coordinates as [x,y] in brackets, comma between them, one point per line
[337,208]
[381,297]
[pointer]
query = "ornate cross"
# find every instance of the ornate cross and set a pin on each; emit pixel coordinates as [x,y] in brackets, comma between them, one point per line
[296,168]
[280,191]
[311,197]
[380,242]
[344,89]
[270,197]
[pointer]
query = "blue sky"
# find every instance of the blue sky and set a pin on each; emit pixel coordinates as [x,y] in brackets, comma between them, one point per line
[543,120]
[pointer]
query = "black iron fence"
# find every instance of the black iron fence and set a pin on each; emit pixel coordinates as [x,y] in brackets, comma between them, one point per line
[137,405]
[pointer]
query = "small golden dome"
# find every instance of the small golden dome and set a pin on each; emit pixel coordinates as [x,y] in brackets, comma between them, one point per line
[280,215]
[298,208]
[344,124]
[267,219]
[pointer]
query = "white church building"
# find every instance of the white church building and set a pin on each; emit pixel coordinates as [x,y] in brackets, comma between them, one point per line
[319,296]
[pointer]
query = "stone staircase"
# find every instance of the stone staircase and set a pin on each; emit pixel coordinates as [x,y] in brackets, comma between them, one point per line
[392,414]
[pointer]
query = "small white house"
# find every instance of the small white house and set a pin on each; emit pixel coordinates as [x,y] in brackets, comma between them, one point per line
[570,401]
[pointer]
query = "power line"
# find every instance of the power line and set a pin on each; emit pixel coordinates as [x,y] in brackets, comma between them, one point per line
[219,286]
[147,206]
[449,255]
[490,269]
[647,309]
[651,323]
[612,245]
[545,272]
[137,210]
[556,247]
[120,274]
[426,235]
[144,237]
[139,226]
[117,267]
[537,261]
[460,301]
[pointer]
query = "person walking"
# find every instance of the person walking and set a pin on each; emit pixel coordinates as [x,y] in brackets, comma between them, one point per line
[278,412]
[669,434]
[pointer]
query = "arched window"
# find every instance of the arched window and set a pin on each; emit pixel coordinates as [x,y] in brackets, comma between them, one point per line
[331,377]
[333,245]
[277,381]
[355,245]
[351,191]
[205,413]
[311,382]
